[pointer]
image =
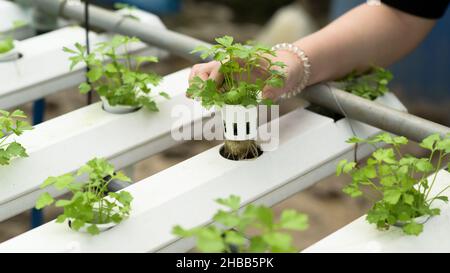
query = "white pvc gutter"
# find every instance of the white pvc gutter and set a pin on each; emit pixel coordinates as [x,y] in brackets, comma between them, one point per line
[310,147]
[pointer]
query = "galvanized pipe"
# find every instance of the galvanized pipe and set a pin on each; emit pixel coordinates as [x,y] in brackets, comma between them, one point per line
[375,114]
[352,106]
[176,43]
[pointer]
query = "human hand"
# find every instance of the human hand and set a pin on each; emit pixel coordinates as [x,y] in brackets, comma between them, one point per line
[292,71]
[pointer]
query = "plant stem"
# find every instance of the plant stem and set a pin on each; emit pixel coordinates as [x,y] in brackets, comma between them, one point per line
[435,174]
[437,195]
[3,140]
[398,151]
[375,187]
[128,57]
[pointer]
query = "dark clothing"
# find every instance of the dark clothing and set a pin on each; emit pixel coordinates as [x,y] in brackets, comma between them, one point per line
[432,9]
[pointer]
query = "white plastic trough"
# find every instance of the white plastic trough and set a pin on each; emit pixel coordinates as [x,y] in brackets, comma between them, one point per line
[65,143]
[44,67]
[310,147]
[360,236]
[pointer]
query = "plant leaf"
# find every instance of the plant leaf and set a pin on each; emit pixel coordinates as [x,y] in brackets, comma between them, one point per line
[210,240]
[84,88]
[413,228]
[44,200]
[93,230]
[291,219]
[233,202]
[279,242]
[392,196]
[429,142]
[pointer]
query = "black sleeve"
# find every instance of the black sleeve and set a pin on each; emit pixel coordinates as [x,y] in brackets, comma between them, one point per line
[432,9]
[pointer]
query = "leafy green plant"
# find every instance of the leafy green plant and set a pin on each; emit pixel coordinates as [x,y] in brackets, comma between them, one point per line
[247,69]
[12,124]
[7,41]
[254,222]
[239,65]
[121,80]
[91,204]
[369,85]
[400,183]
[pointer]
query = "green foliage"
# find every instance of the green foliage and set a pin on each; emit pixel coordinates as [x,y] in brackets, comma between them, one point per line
[370,85]
[6,45]
[120,80]
[239,65]
[400,181]
[7,42]
[91,203]
[12,124]
[267,235]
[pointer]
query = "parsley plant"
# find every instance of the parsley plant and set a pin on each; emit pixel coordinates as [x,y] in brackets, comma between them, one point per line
[12,124]
[238,64]
[232,235]
[401,182]
[370,85]
[121,80]
[91,203]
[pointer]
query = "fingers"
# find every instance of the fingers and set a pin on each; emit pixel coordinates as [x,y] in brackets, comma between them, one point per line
[194,71]
[269,93]
[216,75]
[273,93]
[203,75]
[207,71]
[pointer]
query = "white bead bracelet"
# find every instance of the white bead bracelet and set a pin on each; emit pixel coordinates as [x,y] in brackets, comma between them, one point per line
[306,68]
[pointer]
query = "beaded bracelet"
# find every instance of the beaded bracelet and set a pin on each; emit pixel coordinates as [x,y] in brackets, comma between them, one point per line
[306,67]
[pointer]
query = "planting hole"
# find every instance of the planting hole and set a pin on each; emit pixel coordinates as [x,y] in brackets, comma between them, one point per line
[249,155]
[12,58]
[119,110]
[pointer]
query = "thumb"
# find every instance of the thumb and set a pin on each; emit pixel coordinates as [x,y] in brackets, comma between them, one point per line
[271,93]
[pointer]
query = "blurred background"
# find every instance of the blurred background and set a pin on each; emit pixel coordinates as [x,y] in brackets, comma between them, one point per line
[421,82]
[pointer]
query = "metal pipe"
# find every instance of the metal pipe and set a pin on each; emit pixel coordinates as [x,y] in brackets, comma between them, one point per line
[176,43]
[357,108]
[375,114]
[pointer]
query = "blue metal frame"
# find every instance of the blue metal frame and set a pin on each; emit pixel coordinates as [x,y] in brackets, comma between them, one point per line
[37,216]
[160,7]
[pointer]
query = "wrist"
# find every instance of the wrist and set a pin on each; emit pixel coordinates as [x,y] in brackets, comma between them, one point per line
[298,68]
[292,70]
[293,63]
